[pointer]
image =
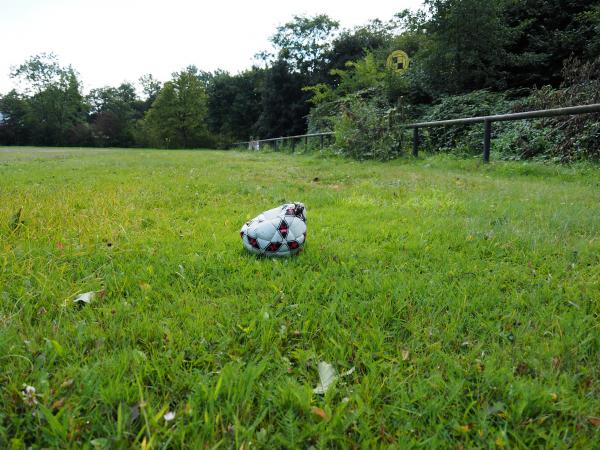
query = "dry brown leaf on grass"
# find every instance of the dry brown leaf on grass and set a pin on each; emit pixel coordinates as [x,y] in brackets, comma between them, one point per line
[594,421]
[319,412]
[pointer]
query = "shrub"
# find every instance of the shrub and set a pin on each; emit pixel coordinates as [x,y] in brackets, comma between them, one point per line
[463,138]
[364,128]
[573,137]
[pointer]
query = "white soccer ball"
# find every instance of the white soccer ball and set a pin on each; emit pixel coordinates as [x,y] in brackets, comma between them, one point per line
[279,231]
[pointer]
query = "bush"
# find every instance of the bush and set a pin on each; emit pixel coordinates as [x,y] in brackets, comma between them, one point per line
[364,128]
[463,138]
[522,139]
[563,138]
[573,137]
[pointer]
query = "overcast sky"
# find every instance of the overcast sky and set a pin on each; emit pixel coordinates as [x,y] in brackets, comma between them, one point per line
[110,41]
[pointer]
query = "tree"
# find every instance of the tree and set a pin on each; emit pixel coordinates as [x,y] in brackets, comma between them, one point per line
[547,33]
[14,127]
[113,115]
[352,45]
[234,103]
[177,118]
[284,103]
[466,46]
[150,87]
[303,42]
[56,110]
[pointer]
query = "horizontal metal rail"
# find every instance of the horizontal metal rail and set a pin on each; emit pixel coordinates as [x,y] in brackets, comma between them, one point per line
[513,116]
[486,120]
[283,138]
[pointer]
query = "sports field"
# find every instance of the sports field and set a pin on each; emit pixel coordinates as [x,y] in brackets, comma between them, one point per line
[458,304]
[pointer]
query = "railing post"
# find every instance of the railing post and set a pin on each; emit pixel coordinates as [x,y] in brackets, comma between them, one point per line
[415,151]
[305,143]
[487,138]
[321,139]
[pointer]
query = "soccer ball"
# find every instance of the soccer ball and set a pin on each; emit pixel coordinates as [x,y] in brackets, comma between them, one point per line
[279,231]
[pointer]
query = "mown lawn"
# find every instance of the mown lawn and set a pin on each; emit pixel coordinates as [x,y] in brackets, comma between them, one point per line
[466,298]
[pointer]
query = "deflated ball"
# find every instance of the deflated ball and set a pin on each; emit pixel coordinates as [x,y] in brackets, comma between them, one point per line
[279,231]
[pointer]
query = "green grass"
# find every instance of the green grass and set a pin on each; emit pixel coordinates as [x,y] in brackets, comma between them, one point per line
[466,297]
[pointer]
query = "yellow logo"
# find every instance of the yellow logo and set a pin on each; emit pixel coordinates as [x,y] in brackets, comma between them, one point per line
[398,61]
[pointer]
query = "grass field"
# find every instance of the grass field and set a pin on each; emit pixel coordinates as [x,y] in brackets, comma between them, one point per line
[459,304]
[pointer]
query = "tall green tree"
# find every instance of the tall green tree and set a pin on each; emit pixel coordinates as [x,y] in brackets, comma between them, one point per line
[56,112]
[14,126]
[113,114]
[546,34]
[467,46]
[150,88]
[284,103]
[234,103]
[304,42]
[177,118]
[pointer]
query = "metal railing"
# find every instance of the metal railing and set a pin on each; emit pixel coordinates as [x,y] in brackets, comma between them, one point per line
[289,139]
[486,120]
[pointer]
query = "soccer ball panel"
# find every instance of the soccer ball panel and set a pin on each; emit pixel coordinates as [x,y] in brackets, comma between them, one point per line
[283,250]
[271,214]
[297,227]
[277,237]
[265,230]
[262,243]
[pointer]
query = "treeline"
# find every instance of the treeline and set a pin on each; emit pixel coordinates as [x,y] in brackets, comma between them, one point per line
[468,57]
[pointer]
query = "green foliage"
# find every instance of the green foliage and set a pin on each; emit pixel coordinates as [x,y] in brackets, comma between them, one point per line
[592,18]
[367,74]
[562,138]
[320,93]
[304,41]
[177,118]
[114,112]
[510,140]
[466,46]
[151,88]
[234,104]
[355,44]
[545,33]
[364,128]
[465,297]
[54,108]
[463,138]
[363,74]
[284,104]
[522,140]
[576,137]
[15,126]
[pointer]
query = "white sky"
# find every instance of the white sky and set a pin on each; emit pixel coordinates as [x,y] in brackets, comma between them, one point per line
[111,41]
